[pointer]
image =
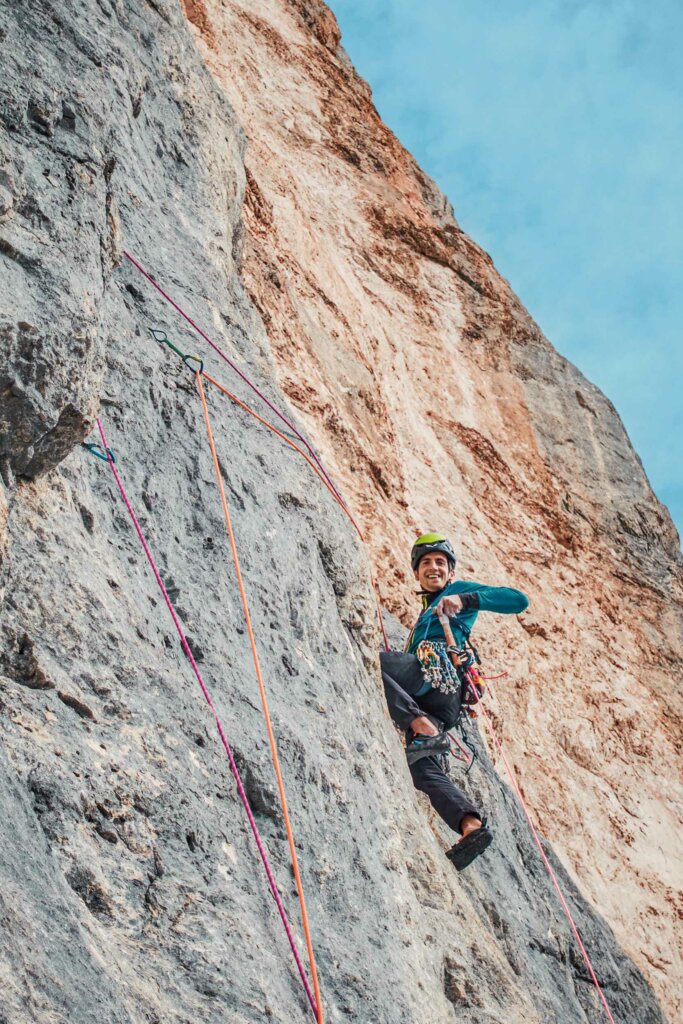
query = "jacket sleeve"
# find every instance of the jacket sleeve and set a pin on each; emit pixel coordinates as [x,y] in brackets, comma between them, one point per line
[504,600]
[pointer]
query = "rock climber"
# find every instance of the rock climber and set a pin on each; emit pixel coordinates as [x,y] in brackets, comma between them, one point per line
[424,689]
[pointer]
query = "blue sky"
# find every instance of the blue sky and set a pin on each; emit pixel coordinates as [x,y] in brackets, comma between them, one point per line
[555,127]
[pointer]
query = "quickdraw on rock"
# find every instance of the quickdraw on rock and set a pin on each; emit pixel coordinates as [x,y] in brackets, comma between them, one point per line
[188,358]
[105,454]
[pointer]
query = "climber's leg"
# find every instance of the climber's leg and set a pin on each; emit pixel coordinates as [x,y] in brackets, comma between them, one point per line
[403,680]
[447,800]
[456,810]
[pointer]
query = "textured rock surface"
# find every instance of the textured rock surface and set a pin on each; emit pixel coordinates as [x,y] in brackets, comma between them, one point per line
[129,886]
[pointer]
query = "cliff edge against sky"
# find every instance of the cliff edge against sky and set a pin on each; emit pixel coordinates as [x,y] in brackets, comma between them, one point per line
[237,154]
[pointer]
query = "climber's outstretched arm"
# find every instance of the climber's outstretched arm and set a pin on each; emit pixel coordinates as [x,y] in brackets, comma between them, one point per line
[476,597]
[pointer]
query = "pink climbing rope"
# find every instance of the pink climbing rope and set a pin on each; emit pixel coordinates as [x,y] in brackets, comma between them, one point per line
[219,725]
[323,472]
[546,862]
[247,381]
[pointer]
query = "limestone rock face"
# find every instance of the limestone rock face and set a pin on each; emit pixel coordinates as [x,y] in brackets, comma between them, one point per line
[130,889]
[440,405]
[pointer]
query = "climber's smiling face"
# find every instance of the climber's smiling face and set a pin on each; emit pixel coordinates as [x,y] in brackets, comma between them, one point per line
[433,572]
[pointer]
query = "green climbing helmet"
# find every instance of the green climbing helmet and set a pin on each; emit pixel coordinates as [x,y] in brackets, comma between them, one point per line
[432,542]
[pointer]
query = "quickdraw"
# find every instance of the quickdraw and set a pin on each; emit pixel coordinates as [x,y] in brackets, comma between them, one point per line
[105,454]
[188,358]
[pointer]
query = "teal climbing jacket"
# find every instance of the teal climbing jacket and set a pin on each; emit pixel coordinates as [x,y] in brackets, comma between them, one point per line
[503,600]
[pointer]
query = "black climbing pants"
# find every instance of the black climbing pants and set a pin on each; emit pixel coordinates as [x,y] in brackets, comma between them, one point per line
[402,676]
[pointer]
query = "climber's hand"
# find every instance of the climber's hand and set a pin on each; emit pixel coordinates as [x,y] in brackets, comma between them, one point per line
[423,727]
[450,605]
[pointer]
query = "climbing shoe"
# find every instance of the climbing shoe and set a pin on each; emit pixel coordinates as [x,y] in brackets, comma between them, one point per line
[464,852]
[427,746]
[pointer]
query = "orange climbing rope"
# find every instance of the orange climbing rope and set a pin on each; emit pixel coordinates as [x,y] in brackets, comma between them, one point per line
[264,700]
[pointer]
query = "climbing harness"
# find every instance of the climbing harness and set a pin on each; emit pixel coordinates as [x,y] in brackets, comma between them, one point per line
[462,661]
[315,1003]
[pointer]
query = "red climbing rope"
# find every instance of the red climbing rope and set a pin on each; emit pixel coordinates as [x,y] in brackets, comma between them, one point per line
[320,470]
[324,478]
[207,696]
[264,699]
[237,370]
[544,858]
